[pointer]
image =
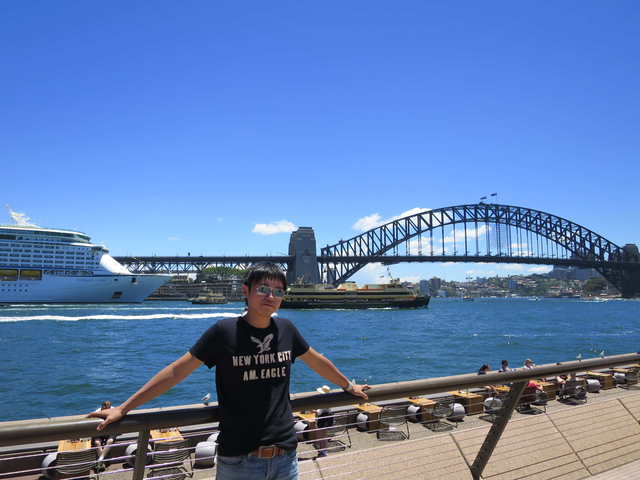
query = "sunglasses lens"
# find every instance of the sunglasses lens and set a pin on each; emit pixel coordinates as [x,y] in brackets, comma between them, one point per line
[264,290]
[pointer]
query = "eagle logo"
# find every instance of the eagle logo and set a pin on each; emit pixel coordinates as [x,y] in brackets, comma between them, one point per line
[264,346]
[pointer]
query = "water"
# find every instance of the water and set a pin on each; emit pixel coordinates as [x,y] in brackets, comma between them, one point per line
[60,360]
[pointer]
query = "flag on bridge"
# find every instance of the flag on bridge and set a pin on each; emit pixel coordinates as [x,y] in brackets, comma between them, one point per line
[494,194]
[483,198]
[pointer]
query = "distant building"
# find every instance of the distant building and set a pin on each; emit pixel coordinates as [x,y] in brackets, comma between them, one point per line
[230,288]
[409,286]
[573,273]
[180,279]
[424,287]
[584,274]
[435,284]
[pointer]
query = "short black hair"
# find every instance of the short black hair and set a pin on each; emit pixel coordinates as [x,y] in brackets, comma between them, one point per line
[264,271]
[505,362]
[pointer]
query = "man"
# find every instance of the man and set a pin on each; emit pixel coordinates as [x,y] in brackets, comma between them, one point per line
[252,354]
[103,444]
[505,367]
[484,369]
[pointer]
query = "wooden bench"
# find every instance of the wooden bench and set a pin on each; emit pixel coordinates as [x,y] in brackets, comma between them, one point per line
[605,379]
[75,444]
[471,402]
[166,435]
[426,405]
[373,412]
[549,388]
[310,419]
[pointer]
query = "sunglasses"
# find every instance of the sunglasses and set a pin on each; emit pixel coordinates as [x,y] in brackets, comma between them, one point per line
[264,290]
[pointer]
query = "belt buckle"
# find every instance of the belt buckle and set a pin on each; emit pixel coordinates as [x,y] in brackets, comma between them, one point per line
[267,452]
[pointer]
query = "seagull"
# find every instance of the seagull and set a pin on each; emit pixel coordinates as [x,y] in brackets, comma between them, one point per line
[206,398]
[579,357]
[602,354]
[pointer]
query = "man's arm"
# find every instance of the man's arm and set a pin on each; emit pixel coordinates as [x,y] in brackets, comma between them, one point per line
[160,383]
[323,367]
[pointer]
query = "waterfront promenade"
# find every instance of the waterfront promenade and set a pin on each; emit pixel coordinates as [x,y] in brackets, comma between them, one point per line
[599,439]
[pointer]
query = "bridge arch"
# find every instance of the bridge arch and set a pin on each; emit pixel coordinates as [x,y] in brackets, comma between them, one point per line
[484,233]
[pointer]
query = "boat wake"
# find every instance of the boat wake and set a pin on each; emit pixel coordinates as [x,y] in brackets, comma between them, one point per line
[173,316]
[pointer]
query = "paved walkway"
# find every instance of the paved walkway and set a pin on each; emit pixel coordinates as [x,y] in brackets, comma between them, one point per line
[630,471]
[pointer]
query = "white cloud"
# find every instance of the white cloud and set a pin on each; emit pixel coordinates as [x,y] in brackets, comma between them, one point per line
[412,279]
[373,221]
[283,226]
[470,234]
[515,267]
[373,273]
[173,239]
[408,213]
[367,223]
[480,273]
[541,269]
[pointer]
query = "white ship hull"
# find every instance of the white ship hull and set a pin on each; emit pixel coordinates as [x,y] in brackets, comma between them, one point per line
[94,289]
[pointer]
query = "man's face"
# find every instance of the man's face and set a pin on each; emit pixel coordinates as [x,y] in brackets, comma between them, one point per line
[260,303]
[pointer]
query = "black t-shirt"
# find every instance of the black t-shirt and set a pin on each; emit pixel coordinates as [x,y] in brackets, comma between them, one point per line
[253,368]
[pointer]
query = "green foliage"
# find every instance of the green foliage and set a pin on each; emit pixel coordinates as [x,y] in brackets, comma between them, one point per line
[540,288]
[499,282]
[219,273]
[595,285]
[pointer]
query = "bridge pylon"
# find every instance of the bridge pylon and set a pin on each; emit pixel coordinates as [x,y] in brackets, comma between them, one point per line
[302,247]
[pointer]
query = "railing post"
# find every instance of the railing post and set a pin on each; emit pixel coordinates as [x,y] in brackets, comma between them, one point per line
[141,454]
[495,432]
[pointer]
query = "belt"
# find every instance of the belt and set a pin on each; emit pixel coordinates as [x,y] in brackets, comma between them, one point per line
[270,451]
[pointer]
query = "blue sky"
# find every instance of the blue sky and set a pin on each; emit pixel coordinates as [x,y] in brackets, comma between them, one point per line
[173,127]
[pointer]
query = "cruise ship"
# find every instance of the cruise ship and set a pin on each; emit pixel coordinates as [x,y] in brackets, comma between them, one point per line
[49,265]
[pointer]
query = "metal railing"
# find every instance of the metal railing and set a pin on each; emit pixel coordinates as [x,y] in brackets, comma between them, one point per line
[23,433]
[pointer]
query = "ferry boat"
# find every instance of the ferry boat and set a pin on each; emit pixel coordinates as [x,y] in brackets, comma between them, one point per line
[209,298]
[350,296]
[48,265]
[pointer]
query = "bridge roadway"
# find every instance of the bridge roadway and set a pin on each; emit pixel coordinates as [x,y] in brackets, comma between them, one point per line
[193,264]
[625,276]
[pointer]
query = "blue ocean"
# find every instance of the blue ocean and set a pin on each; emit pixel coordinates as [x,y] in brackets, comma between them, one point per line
[60,360]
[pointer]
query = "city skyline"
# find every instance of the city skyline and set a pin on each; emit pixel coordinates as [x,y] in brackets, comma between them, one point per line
[214,129]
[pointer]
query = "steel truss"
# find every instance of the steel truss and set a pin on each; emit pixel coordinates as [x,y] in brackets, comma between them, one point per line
[190,264]
[488,233]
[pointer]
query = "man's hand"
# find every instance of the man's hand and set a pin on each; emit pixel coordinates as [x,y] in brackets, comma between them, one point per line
[110,415]
[358,391]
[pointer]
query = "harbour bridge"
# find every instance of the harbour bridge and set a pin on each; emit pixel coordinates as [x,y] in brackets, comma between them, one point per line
[476,233]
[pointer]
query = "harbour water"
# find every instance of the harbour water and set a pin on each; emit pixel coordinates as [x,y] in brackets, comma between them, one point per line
[60,360]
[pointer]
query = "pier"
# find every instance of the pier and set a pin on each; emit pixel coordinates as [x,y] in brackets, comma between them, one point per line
[598,438]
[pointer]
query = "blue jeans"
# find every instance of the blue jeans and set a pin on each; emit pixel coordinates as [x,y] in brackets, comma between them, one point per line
[250,467]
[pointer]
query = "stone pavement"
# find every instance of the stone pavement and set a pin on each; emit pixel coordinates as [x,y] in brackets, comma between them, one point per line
[631,471]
